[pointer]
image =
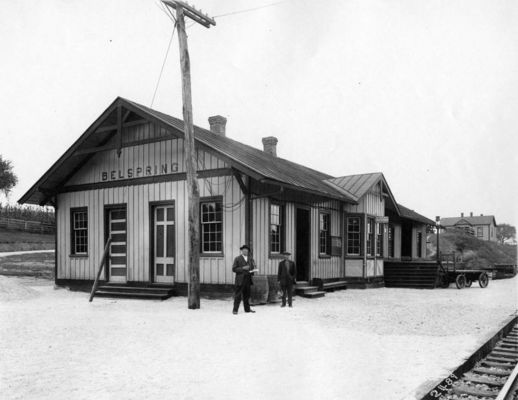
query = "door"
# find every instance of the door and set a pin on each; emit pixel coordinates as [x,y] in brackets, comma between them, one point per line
[117,255]
[302,244]
[164,240]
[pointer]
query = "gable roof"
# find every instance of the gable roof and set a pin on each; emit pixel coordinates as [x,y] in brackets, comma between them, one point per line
[249,160]
[359,185]
[475,220]
[411,214]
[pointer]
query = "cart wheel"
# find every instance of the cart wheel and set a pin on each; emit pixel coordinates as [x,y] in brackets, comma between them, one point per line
[483,280]
[469,282]
[460,281]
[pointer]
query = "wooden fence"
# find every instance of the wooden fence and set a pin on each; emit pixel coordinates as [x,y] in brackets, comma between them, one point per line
[27,226]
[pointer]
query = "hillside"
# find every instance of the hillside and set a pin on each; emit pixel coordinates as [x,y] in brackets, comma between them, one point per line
[475,253]
[11,240]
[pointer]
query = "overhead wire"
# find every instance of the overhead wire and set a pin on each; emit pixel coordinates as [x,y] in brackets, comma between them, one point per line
[163,65]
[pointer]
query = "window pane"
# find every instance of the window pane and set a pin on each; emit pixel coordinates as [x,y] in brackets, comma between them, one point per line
[159,214]
[170,213]
[160,240]
[170,241]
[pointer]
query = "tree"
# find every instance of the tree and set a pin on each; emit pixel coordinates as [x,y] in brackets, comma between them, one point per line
[504,232]
[8,179]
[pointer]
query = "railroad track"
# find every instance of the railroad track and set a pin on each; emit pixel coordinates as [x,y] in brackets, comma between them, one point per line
[494,377]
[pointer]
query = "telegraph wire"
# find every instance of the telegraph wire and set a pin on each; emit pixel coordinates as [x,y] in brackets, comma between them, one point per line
[163,65]
[249,9]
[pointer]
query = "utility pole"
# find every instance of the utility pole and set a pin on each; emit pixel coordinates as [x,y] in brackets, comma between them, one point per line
[193,190]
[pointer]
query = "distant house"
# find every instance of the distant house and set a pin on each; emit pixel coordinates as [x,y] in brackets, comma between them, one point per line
[124,179]
[482,226]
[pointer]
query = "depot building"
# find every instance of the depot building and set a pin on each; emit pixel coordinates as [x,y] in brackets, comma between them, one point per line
[125,178]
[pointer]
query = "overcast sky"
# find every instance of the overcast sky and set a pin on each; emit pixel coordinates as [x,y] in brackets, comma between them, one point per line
[424,91]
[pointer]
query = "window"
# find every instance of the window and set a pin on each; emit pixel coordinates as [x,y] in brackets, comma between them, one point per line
[79,230]
[325,235]
[391,241]
[480,231]
[276,228]
[353,235]
[370,236]
[379,240]
[211,219]
[419,244]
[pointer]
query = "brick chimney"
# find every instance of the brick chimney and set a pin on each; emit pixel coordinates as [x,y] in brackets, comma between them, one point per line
[270,145]
[217,124]
[462,215]
[471,214]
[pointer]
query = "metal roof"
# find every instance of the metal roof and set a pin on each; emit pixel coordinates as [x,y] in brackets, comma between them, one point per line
[358,185]
[248,159]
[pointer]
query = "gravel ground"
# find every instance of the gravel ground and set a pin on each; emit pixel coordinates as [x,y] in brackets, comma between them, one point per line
[353,344]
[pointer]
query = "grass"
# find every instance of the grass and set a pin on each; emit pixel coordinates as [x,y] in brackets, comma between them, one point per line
[39,265]
[11,240]
[475,253]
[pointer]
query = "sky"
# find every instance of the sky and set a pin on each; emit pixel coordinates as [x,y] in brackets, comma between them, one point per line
[425,91]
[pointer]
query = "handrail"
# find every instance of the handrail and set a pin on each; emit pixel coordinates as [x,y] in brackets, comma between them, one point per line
[103,260]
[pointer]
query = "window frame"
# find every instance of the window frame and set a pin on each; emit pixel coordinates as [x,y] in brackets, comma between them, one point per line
[73,230]
[327,253]
[360,232]
[391,241]
[282,230]
[370,237]
[379,237]
[481,230]
[216,253]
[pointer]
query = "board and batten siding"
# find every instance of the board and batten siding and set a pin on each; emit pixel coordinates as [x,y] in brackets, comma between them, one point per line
[215,270]
[325,267]
[148,159]
[137,198]
[261,234]
[372,204]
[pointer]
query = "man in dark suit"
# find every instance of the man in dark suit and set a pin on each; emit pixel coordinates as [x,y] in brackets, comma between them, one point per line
[286,277]
[242,266]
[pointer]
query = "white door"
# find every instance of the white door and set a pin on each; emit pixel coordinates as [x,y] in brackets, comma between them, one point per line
[164,244]
[117,231]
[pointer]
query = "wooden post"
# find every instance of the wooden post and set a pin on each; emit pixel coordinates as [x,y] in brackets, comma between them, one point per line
[193,191]
[190,168]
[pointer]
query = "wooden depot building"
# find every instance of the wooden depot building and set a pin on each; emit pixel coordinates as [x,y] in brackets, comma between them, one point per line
[124,178]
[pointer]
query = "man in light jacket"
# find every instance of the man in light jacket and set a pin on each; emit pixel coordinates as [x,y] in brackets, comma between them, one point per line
[286,276]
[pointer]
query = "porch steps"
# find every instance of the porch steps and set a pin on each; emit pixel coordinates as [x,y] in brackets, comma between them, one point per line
[416,275]
[332,286]
[303,289]
[135,292]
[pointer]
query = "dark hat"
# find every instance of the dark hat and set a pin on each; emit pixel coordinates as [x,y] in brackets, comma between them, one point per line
[244,247]
[286,253]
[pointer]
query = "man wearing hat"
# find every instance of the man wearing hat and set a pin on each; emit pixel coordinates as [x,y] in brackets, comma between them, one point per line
[286,277]
[242,266]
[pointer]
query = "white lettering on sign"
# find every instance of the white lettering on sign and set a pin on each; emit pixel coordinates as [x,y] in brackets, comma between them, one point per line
[139,172]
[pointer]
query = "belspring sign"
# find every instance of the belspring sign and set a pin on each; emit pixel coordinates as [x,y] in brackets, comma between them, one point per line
[139,172]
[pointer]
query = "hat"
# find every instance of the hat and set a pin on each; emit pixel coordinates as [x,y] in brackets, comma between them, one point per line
[286,253]
[244,247]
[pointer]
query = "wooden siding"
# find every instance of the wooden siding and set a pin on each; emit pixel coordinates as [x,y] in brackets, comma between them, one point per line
[260,235]
[354,268]
[213,270]
[152,159]
[328,267]
[372,203]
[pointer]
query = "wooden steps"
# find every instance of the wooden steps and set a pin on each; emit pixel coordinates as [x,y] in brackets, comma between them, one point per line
[406,274]
[332,286]
[135,292]
[303,289]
